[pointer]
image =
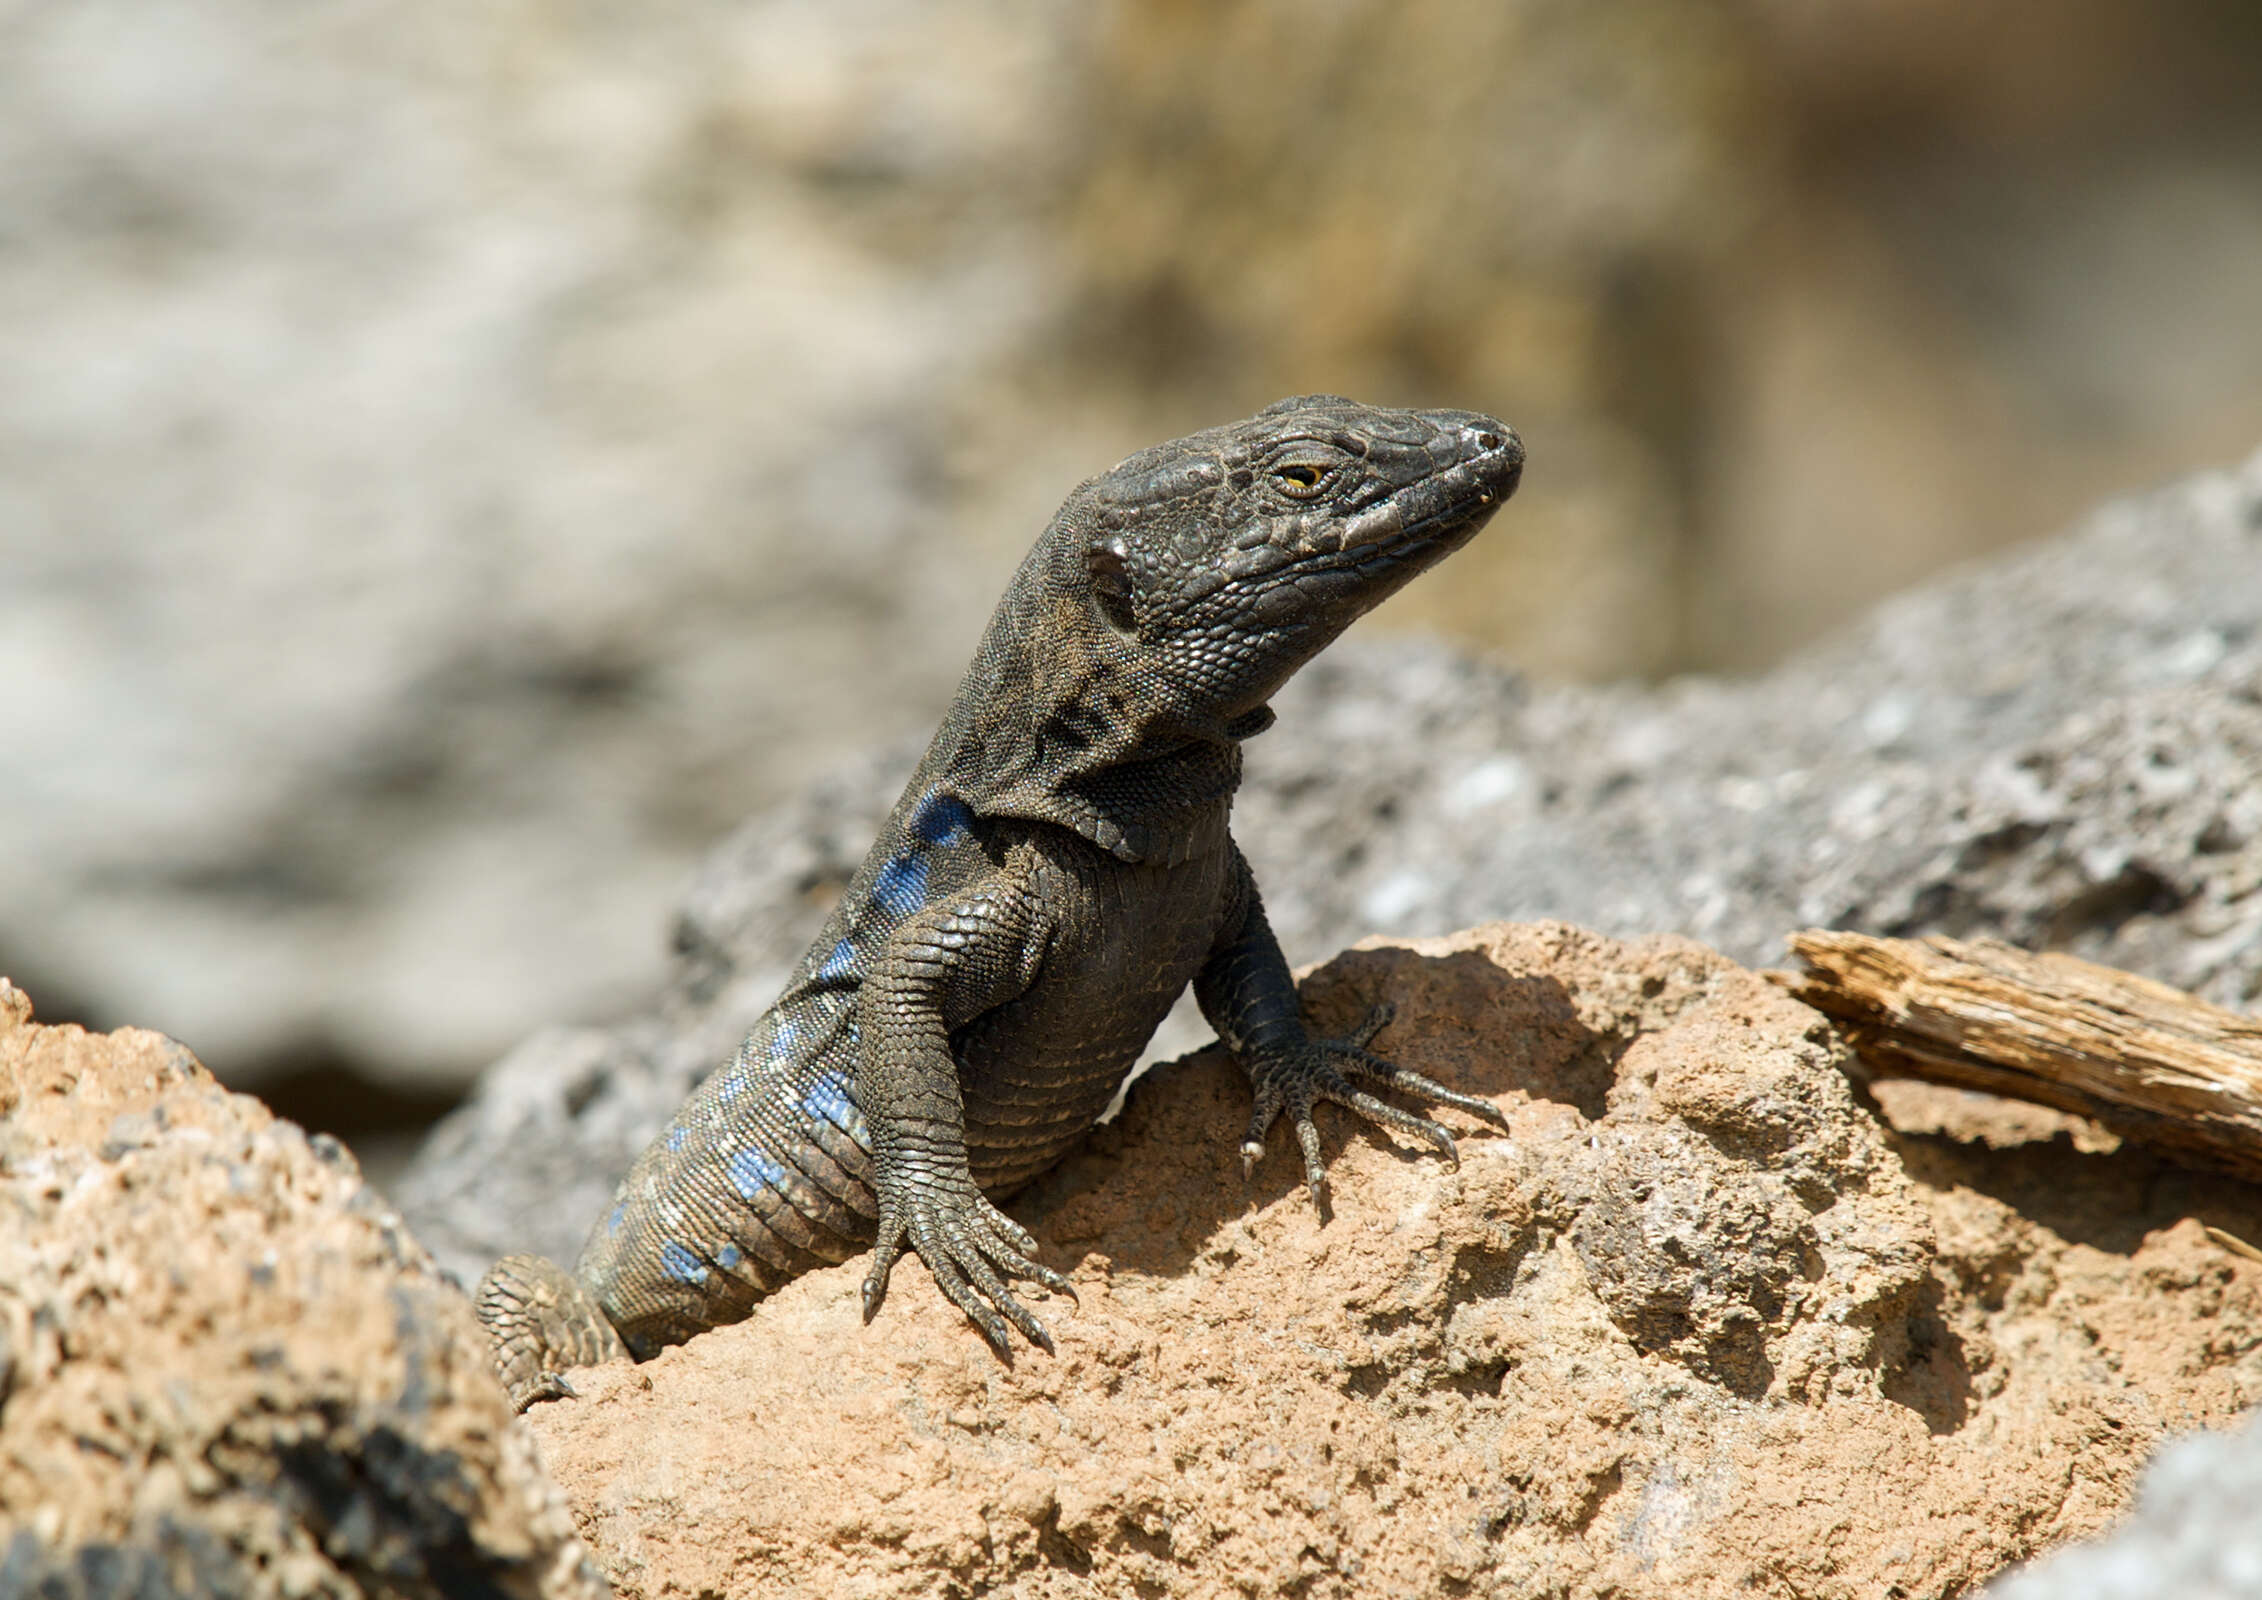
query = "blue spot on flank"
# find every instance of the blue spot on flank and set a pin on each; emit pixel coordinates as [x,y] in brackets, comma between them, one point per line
[733,1083]
[728,1257]
[752,1172]
[675,1138]
[840,963]
[829,1099]
[787,1037]
[940,817]
[619,1216]
[681,1264]
[901,887]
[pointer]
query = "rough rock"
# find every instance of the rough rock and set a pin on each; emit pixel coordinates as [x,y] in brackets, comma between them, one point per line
[1698,1325]
[225,1367]
[2056,749]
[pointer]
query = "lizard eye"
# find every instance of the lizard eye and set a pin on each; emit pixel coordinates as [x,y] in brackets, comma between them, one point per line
[1111,587]
[1299,480]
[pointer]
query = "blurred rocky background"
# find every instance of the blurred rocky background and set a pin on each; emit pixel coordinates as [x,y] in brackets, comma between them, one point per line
[457,461]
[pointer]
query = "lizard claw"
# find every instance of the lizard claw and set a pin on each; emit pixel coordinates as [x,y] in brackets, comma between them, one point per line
[1295,1079]
[972,1248]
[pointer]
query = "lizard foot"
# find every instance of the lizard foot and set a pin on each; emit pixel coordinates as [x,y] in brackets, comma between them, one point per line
[966,1243]
[542,1321]
[1296,1079]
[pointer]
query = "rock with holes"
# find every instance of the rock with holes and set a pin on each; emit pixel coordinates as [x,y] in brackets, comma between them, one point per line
[1699,1325]
[1692,1254]
[225,1368]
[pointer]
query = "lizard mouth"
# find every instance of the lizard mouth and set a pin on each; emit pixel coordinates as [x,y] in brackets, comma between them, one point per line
[1348,567]
[1456,500]
[1442,524]
[1457,507]
[1358,577]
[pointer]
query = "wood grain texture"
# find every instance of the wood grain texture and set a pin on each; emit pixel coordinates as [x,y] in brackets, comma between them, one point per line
[2150,1062]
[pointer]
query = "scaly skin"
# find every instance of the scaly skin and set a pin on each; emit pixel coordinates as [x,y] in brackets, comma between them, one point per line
[1057,872]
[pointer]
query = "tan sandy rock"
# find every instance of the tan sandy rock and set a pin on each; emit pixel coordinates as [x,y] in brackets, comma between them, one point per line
[225,1367]
[1701,1325]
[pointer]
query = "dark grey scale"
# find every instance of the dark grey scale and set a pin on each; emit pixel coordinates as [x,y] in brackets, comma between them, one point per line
[1037,1072]
[720,1204]
[805,1196]
[797,1174]
[767,1170]
[678,1262]
[1057,872]
[832,1149]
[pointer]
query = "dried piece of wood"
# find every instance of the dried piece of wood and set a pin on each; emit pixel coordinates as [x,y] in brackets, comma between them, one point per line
[2152,1063]
[2232,1242]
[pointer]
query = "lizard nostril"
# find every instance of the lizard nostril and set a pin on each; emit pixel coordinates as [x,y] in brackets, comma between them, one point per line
[1488,441]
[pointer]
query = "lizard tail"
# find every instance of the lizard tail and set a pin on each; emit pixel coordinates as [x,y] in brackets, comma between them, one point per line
[542,1322]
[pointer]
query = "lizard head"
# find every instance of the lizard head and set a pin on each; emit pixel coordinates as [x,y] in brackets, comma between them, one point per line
[1173,595]
[1213,567]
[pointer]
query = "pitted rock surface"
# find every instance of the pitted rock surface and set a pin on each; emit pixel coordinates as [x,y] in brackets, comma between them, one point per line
[225,1367]
[1700,1325]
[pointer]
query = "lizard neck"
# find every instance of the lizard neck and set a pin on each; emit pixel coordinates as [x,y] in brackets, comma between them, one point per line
[1044,729]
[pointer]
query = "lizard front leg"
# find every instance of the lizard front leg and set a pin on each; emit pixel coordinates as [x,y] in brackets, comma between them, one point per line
[938,971]
[1246,993]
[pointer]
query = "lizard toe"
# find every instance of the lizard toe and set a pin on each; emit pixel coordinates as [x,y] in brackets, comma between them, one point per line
[971,1248]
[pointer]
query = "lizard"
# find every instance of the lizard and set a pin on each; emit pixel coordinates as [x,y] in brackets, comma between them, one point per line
[1058,870]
